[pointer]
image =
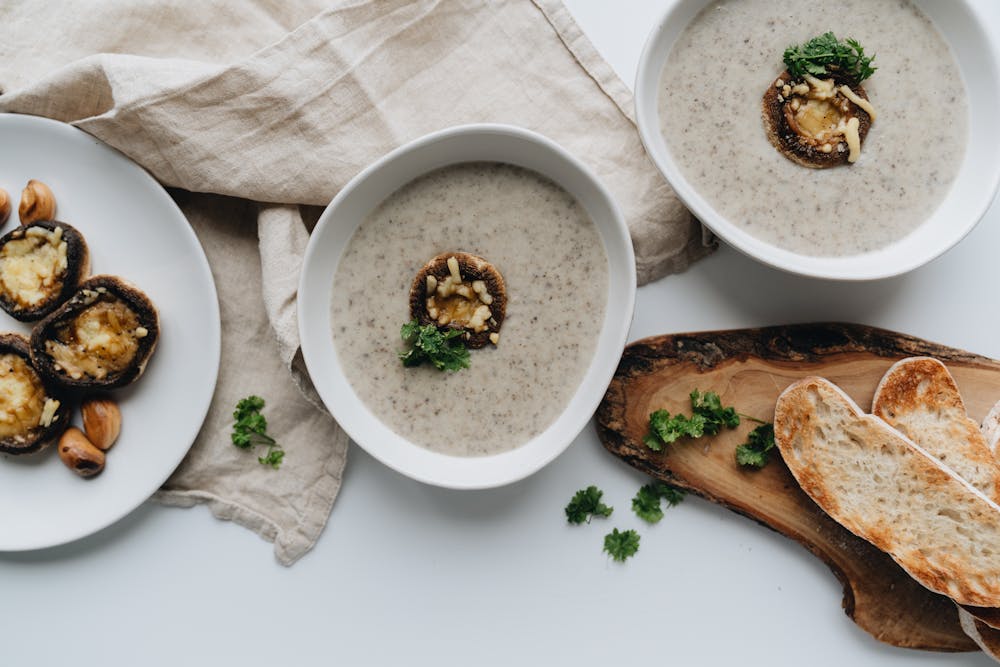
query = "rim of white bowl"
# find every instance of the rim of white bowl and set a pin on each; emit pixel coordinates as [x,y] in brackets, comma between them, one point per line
[883,263]
[356,419]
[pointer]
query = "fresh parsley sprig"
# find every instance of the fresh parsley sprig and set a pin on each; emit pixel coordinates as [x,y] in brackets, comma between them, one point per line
[621,545]
[646,503]
[586,503]
[428,343]
[709,418]
[824,55]
[250,430]
[756,451]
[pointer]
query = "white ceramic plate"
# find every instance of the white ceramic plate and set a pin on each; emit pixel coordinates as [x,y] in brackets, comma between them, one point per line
[967,202]
[496,143]
[134,230]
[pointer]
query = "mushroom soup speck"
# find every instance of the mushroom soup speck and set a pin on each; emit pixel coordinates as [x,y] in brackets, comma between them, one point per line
[556,270]
[710,114]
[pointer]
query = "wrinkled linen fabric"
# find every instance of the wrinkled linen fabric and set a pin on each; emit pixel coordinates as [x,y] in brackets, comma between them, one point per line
[253,113]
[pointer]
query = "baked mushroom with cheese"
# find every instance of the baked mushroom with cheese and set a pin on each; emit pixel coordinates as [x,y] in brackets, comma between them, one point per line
[102,338]
[816,113]
[817,123]
[41,265]
[461,291]
[33,413]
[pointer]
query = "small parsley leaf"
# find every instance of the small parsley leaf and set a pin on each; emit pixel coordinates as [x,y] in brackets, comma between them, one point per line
[671,494]
[823,55]
[620,545]
[428,343]
[709,406]
[756,451]
[586,503]
[646,503]
[250,429]
[273,458]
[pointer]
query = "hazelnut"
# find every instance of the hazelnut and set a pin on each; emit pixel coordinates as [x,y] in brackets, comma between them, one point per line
[79,454]
[102,421]
[37,203]
[4,206]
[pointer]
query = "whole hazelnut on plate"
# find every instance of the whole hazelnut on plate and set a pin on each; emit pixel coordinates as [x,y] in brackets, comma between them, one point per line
[102,421]
[79,454]
[37,203]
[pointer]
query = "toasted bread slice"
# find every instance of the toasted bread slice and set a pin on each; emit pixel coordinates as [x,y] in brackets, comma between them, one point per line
[41,265]
[991,430]
[102,338]
[461,291]
[981,623]
[919,398]
[792,141]
[33,413]
[886,489]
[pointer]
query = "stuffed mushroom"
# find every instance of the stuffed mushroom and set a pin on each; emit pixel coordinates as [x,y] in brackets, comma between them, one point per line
[41,266]
[33,412]
[460,291]
[102,338]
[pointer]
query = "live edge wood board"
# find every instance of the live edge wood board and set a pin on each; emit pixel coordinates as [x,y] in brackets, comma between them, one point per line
[748,368]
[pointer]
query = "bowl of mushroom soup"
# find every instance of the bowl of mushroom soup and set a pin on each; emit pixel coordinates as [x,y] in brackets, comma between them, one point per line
[547,224]
[927,170]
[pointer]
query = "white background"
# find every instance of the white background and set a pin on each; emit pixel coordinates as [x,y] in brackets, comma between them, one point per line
[410,574]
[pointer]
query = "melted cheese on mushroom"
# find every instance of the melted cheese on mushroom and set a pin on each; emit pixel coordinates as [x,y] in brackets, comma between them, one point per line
[102,339]
[32,267]
[457,301]
[22,398]
[822,113]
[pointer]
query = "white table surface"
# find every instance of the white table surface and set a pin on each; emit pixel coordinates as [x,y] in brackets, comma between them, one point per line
[410,574]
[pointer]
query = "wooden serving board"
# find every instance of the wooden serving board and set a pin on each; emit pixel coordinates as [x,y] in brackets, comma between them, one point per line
[748,368]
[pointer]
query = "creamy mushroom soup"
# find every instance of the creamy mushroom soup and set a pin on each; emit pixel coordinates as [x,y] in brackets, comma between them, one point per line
[553,261]
[710,112]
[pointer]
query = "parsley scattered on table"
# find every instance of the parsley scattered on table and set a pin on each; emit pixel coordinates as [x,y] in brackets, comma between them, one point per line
[428,343]
[250,430]
[823,55]
[756,451]
[708,418]
[620,545]
[586,503]
[646,503]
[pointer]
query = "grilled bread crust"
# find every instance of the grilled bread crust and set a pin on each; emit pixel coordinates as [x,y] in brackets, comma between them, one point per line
[919,398]
[886,489]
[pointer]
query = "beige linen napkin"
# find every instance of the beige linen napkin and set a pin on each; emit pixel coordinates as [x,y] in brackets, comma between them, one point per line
[217,98]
